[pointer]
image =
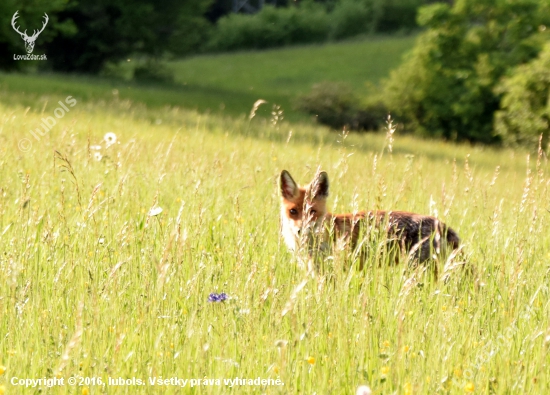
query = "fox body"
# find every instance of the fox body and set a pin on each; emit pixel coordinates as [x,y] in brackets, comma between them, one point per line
[306,221]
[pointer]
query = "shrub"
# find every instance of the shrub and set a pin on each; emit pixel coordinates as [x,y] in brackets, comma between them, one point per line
[271,27]
[334,104]
[525,105]
[352,17]
[153,71]
[395,15]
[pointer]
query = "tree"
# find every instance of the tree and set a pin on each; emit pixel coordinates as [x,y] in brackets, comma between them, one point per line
[112,30]
[525,113]
[446,86]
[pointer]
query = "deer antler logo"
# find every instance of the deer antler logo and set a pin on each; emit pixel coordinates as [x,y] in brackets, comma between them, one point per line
[29,41]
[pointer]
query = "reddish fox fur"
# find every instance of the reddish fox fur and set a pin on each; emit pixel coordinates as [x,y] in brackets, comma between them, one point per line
[304,214]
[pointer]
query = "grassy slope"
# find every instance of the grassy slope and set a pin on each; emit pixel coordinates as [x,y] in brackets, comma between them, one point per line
[92,286]
[233,82]
[280,75]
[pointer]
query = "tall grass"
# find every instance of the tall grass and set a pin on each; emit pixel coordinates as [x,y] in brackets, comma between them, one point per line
[95,282]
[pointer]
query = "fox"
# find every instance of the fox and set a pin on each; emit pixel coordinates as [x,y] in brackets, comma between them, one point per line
[305,220]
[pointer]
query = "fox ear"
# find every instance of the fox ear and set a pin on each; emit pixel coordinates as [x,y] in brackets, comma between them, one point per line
[319,186]
[288,187]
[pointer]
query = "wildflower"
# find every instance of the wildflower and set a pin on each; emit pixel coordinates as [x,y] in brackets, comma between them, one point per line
[408,388]
[406,349]
[110,139]
[97,156]
[85,391]
[2,370]
[385,370]
[95,147]
[386,344]
[214,297]
[311,361]
[2,389]
[363,390]
[469,387]
[154,211]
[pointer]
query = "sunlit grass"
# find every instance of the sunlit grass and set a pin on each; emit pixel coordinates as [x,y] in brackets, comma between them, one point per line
[96,281]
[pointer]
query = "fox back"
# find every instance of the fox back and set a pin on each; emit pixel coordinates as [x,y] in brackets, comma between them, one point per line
[305,220]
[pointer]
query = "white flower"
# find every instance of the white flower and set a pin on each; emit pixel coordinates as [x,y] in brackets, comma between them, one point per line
[363,390]
[154,211]
[110,138]
[97,156]
[95,147]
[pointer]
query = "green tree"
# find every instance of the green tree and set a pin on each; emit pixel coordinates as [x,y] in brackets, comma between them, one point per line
[525,113]
[112,30]
[446,86]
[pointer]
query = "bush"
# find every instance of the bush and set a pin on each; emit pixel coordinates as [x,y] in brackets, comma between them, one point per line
[446,87]
[334,104]
[353,17]
[153,71]
[525,113]
[393,15]
[311,22]
[271,27]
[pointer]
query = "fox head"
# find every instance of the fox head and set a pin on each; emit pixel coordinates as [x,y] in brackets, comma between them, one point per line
[303,209]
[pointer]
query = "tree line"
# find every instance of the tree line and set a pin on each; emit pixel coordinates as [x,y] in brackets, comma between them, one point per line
[84,35]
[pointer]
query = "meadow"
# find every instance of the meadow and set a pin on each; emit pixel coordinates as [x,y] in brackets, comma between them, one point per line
[118,224]
[229,84]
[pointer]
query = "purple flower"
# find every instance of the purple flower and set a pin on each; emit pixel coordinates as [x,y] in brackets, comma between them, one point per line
[214,297]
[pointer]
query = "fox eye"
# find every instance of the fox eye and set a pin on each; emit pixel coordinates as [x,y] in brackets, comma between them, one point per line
[313,212]
[293,211]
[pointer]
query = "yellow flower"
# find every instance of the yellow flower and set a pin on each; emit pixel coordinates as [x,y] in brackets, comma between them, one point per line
[469,387]
[458,372]
[85,391]
[276,369]
[406,349]
[385,370]
[2,389]
[311,361]
[2,369]
[386,344]
[444,308]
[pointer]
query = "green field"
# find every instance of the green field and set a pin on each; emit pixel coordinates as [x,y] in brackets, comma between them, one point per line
[278,76]
[92,285]
[229,84]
